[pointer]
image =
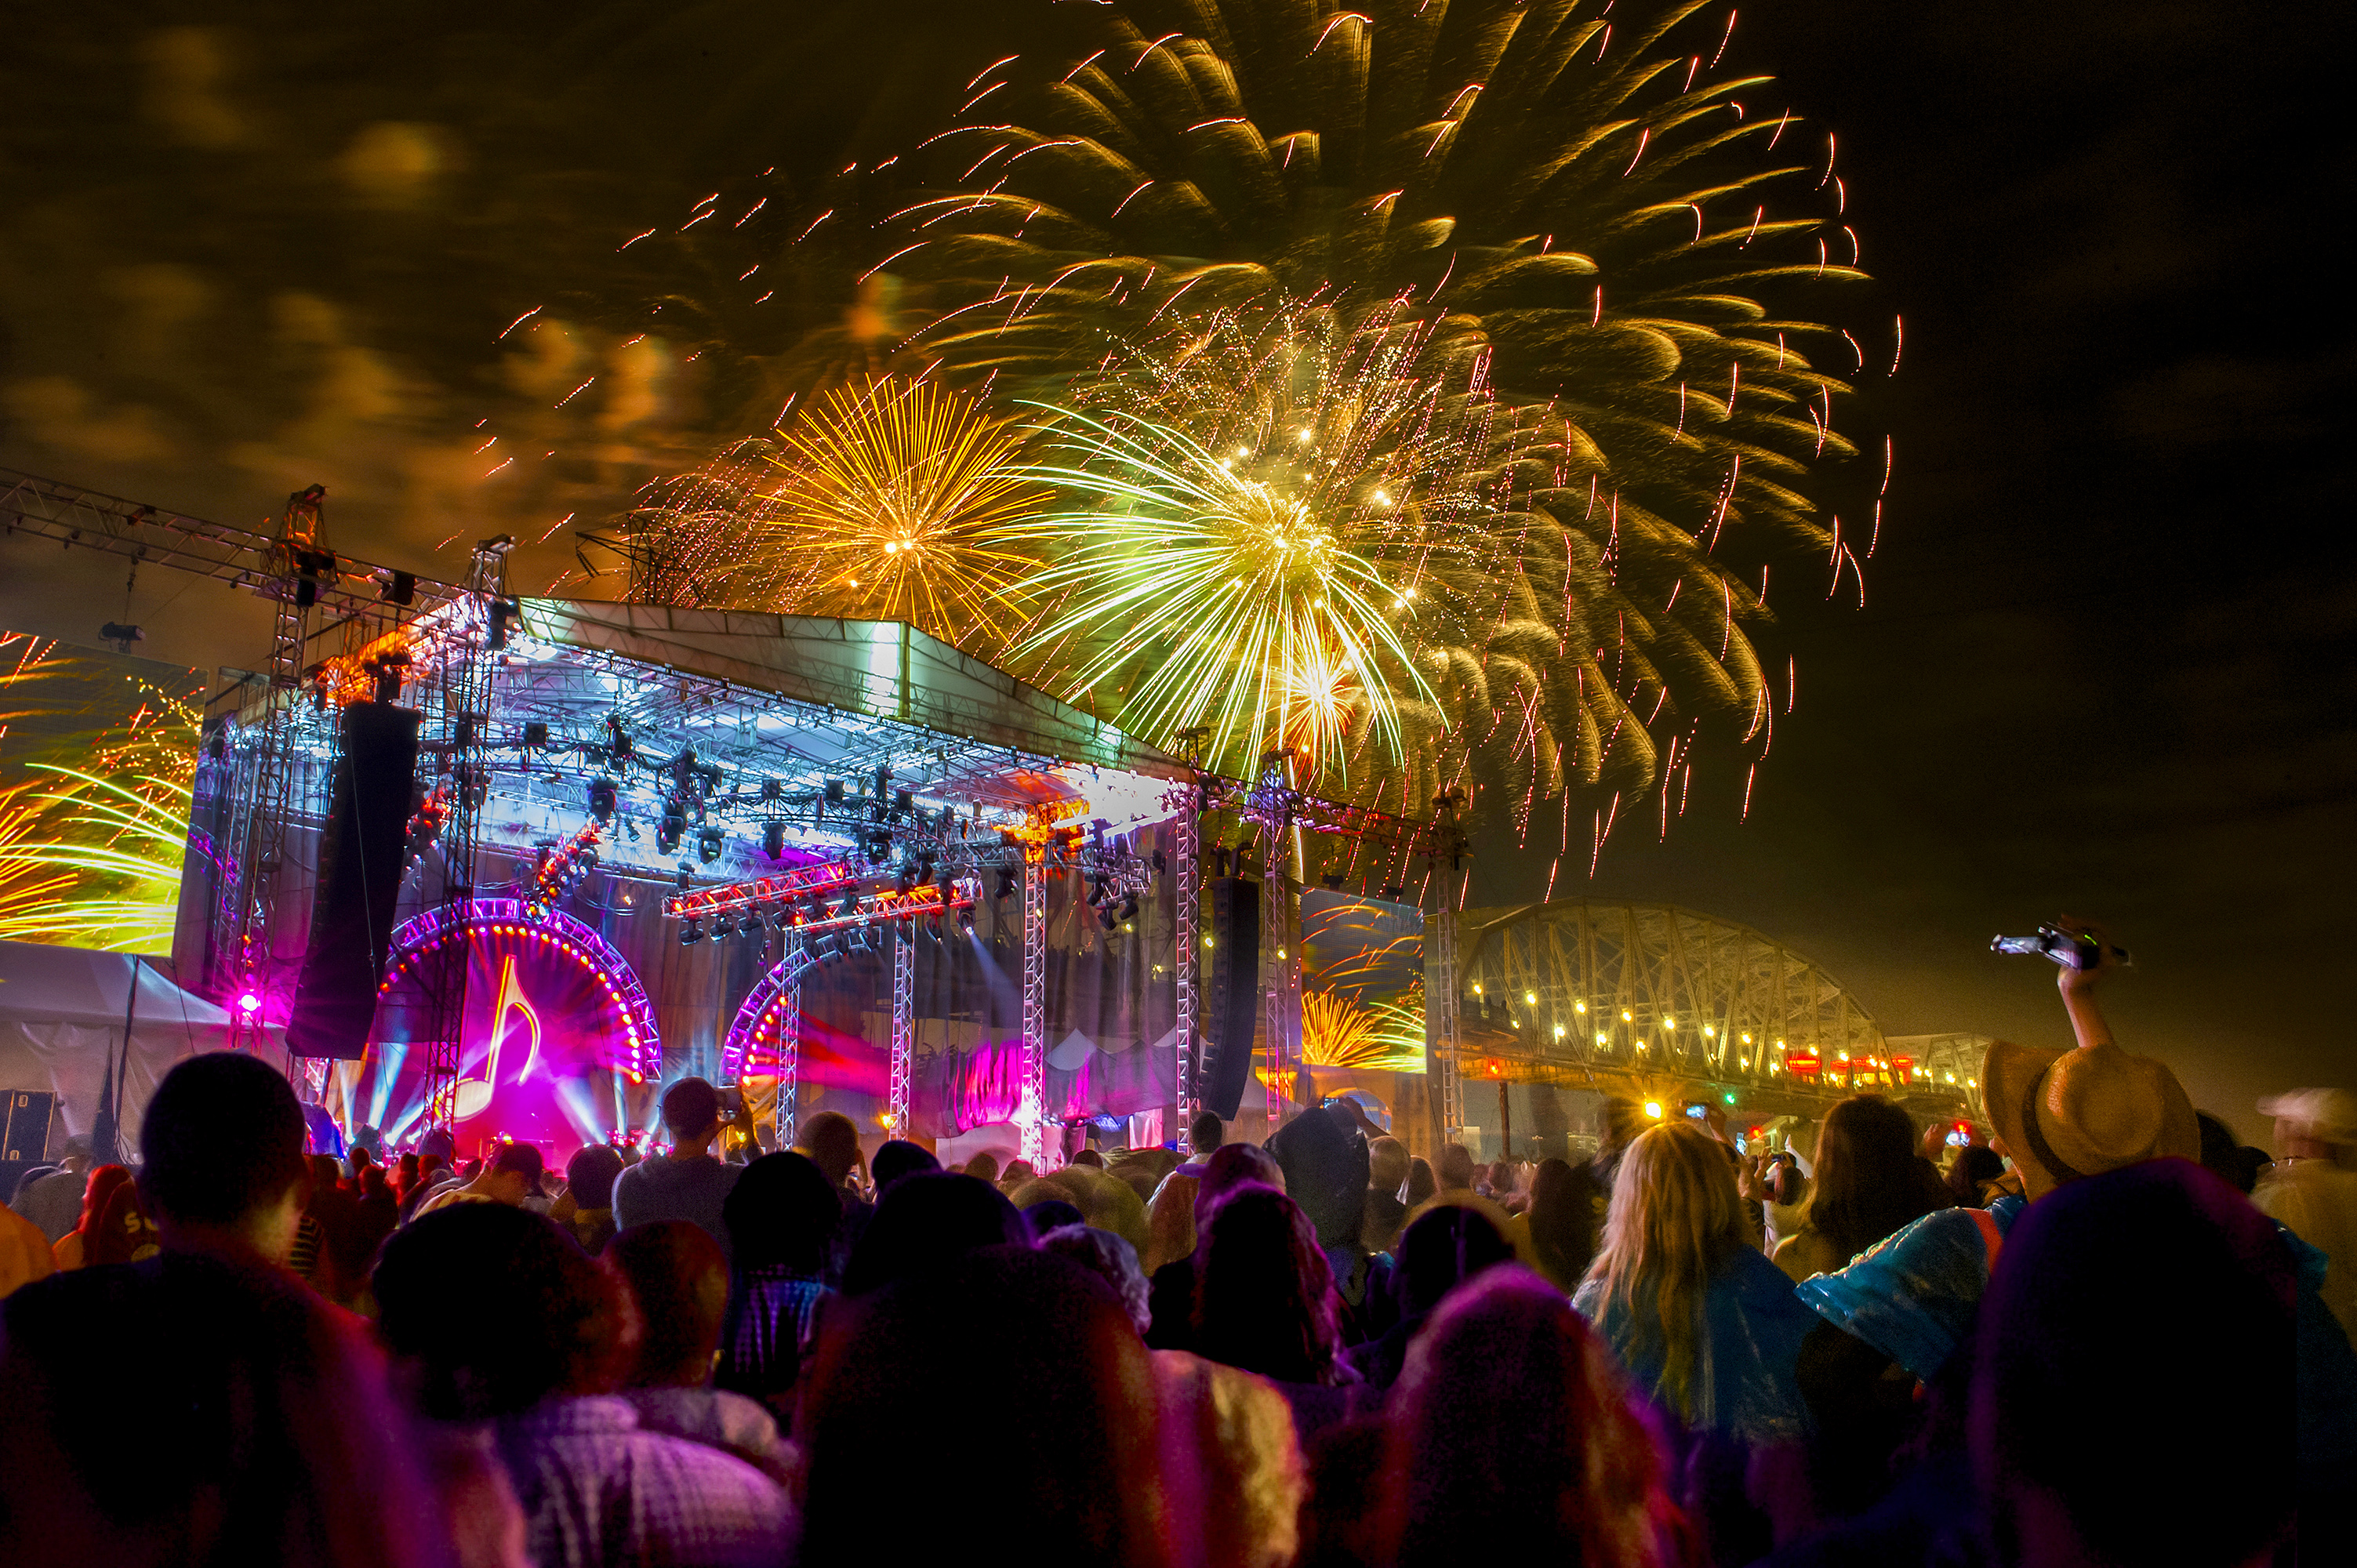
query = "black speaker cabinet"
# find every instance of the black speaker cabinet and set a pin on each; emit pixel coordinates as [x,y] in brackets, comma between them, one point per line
[1231,993]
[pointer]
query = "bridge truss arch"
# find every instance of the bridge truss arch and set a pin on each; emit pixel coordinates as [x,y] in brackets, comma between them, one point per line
[1654,998]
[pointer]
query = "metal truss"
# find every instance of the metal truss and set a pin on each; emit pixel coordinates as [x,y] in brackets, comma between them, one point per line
[767,1031]
[1034,1109]
[832,877]
[1186,845]
[789,1045]
[1274,806]
[1440,1004]
[464,693]
[241,557]
[1654,998]
[262,834]
[904,1027]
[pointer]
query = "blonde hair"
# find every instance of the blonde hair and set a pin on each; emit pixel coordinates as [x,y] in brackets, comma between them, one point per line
[1675,1221]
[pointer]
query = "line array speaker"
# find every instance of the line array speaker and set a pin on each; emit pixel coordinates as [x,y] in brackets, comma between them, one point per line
[1231,997]
[360,882]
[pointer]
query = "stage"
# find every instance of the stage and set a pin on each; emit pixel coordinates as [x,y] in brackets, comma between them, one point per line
[837,863]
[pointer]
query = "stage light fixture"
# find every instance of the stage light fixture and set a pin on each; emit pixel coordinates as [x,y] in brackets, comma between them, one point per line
[1161,862]
[904,879]
[1006,888]
[904,800]
[502,611]
[773,840]
[686,875]
[835,791]
[850,902]
[691,931]
[772,788]
[535,732]
[722,926]
[1129,907]
[602,798]
[708,844]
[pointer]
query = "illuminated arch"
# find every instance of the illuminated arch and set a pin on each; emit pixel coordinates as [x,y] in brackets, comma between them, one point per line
[634,1045]
[757,1021]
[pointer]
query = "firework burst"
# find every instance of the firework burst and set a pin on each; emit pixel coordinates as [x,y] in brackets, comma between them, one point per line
[875,503]
[1634,248]
[93,862]
[91,856]
[1254,503]
[1580,203]
[1339,1032]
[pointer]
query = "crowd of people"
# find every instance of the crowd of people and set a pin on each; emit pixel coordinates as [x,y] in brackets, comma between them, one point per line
[2100,1333]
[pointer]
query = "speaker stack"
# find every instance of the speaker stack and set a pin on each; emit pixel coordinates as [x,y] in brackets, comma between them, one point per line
[1231,997]
[360,882]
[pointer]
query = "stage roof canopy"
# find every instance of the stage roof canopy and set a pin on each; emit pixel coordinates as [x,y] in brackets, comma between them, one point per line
[859,673]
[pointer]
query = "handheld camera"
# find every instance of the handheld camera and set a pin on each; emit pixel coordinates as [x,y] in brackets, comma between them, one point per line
[2072,949]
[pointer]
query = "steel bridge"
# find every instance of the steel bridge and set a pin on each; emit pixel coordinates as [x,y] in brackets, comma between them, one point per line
[1654,1001]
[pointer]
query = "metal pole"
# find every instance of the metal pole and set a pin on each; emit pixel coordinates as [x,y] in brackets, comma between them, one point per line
[789,1048]
[263,837]
[1443,1001]
[904,1027]
[1034,1107]
[1185,871]
[1276,938]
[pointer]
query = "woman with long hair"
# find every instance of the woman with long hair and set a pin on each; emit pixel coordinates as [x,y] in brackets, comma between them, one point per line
[1264,1297]
[1869,1181]
[1556,1234]
[1508,1426]
[1706,1326]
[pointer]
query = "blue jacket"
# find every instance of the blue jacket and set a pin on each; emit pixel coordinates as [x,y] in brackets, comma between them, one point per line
[1753,1329]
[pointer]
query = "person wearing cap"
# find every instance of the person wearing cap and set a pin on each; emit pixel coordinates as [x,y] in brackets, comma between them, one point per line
[437,1153]
[2312,1188]
[512,1176]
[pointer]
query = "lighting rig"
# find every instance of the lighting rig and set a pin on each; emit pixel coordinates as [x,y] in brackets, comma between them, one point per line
[561,866]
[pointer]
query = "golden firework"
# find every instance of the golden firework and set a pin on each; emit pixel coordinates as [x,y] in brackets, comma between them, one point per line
[1252,502]
[90,857]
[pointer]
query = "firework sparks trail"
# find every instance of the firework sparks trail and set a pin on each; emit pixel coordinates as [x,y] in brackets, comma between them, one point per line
[1580,228]
[874,501]
[91,856]
[1264,500]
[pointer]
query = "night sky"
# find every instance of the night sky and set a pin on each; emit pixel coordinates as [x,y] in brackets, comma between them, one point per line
[2106,659]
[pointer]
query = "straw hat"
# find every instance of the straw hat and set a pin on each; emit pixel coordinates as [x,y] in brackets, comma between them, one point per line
[2079,1113]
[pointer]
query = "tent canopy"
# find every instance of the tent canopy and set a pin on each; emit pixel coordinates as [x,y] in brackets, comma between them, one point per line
[44,984]
[61,1019]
